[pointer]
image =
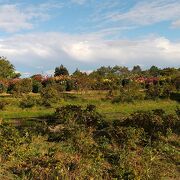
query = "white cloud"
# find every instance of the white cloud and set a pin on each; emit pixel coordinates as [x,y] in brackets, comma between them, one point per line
[148,12]
[26,74]
[50,72]
[14,17]
[116,15]
[52,49]
[87,71]
[176,24]
[11,19]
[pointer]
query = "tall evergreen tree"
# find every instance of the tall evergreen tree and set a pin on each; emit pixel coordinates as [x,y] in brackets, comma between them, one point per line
[61,70]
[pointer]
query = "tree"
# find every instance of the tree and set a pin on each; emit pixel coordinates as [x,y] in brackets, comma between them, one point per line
[61,70]
[169,71]
[77,72]
[104,71]
[37,77]
[136,69]
[21,86]
[120,70]
[154,71]
[7,70]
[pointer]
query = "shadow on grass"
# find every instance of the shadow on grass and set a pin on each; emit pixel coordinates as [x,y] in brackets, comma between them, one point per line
[28,121]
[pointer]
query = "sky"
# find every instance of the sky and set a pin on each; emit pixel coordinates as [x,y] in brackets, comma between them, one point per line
[39,35]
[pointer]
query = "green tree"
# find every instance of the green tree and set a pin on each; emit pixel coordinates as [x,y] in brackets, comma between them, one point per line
[77,73]
[61,70]
[7,70]
[23,86]
[136,69]
[169,71]
[120,70]
[154,71]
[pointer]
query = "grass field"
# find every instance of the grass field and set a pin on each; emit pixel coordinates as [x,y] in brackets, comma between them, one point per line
[72,149]
[105,107]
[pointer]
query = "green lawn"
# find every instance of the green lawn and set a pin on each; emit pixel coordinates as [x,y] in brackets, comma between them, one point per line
[105,107]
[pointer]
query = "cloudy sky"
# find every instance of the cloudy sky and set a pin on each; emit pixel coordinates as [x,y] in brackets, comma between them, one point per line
[38,35]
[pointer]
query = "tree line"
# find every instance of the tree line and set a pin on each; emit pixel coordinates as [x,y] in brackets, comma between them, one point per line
[136,83]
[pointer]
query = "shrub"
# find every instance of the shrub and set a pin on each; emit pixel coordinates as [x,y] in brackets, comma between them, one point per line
[26,85]
[150,122]
[14,88]
[49,95]
[175,96]
[153,91]
[59,87]
[49,81]
[69,85]
[27,102]
[130,93]
[22,86]
[153,122]
[72,114]
[90,147]
[71,119]
[125,82]
[2,104]
[156,91]
[176,82]
[10,139]
[167,88]
[36,87]
[127,136]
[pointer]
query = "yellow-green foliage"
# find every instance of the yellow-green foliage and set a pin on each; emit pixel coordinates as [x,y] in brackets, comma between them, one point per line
[78,143]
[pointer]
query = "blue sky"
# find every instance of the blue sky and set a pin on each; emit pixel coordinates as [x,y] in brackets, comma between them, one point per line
[38,35]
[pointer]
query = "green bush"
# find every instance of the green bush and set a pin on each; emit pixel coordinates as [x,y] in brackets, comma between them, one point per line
[153,122]
[27,102]
[23,86]
[79,143]
[153,91]
[10,139]
[167,89]
[77,115]
[176,82]
[130,93]
[26,85]
[69,85]
[130,137]
[49,95]
[70,120]
[36,87]
[60,87]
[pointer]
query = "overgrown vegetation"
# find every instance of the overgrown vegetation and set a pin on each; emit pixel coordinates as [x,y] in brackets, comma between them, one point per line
[110,124]
[79,142]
